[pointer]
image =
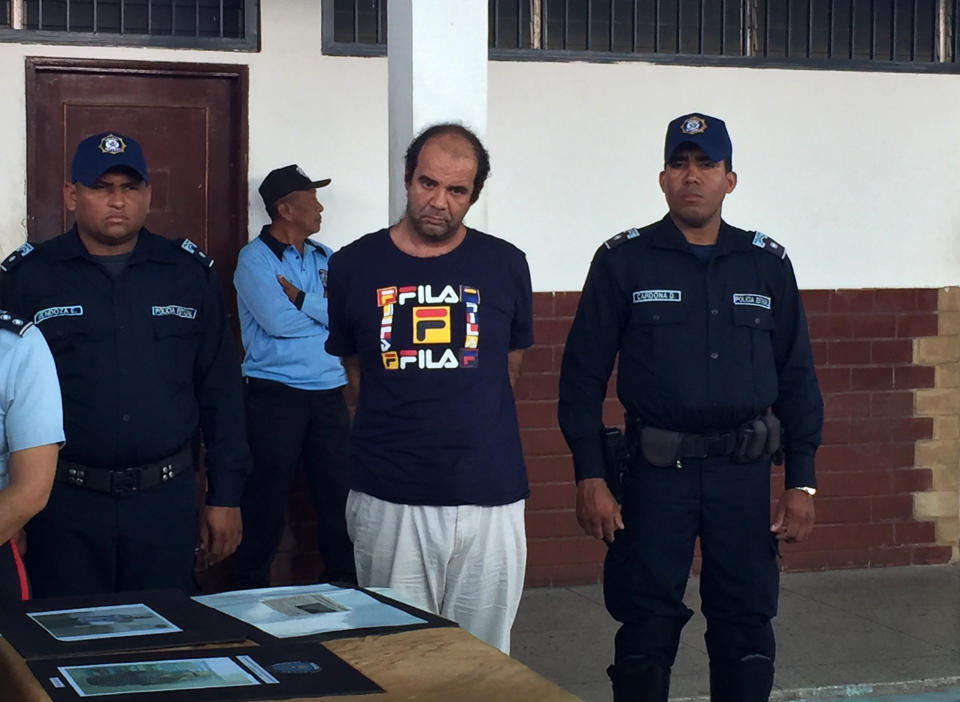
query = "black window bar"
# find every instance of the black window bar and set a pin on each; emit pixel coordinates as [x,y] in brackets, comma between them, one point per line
[194,23]
[906,34]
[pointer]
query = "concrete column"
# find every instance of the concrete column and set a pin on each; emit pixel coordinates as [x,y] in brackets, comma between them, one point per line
[437,65]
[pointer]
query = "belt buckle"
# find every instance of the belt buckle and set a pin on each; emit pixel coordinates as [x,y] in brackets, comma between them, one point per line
[124,483]
[714,445]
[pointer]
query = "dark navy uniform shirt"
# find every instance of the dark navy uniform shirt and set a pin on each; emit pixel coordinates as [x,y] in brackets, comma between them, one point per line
[703,346]
[144,359]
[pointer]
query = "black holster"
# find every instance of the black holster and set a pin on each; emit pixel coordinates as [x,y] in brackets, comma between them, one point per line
[616,459]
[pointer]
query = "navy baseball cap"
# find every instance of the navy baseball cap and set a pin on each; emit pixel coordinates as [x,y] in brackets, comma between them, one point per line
[709,133]
[280,182]
[97,154]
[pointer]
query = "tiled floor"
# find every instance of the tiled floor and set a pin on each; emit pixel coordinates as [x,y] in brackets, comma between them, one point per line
[886,633]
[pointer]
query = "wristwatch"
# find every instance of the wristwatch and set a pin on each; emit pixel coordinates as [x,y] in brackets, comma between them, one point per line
[809,490]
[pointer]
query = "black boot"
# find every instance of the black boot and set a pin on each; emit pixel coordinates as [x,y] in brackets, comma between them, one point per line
[639,679]
[748,680]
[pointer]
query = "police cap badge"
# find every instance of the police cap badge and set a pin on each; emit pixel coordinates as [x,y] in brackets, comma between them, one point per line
[709,133]
[113,144]
[100,153]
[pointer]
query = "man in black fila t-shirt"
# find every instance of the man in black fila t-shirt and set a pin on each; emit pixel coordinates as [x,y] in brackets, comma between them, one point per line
[431,319]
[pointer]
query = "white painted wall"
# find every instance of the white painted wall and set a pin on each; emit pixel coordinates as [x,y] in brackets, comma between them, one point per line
[853,172]
[426,37]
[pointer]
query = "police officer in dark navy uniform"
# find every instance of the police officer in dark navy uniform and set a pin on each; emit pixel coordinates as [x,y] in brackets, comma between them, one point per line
[137,327]
[717,378]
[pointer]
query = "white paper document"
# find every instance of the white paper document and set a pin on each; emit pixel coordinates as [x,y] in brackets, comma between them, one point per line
[303,610]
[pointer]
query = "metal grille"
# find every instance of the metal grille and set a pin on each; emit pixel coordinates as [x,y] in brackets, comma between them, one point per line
[902,33]
[360,22]
[208,21]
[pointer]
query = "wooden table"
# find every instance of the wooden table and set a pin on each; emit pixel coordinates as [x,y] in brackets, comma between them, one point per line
[427,665]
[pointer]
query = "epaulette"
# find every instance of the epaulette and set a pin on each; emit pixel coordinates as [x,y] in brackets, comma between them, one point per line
[13,259]
[762,241]
[13,324]
[195,251]
[621,237]
[318,246]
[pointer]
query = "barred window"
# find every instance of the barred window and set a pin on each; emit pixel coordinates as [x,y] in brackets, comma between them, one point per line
[211,24]
[908,35]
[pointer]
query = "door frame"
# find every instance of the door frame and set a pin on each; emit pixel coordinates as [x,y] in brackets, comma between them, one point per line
[239,74]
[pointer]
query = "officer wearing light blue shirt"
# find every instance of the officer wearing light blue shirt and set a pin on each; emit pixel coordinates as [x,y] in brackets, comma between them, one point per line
[295,404]
[284,342]
[31,418]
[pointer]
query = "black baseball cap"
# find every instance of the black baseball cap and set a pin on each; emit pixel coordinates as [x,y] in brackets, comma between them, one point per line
[280,182]
[709,133]
[97,154]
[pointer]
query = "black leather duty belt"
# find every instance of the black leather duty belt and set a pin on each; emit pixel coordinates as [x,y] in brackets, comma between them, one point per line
[123,482]
[707,445]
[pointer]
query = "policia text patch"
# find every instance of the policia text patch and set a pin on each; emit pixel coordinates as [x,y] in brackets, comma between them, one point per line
[752,300]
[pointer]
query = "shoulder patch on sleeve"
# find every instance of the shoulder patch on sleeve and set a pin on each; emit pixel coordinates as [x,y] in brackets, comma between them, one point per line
[195,251]
[13,324]
[614,241]
[17,256]
[762,241]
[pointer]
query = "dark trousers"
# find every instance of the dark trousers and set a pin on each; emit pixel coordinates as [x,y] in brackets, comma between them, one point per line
[14,586]
[645,574]
[86,542]
[284,425]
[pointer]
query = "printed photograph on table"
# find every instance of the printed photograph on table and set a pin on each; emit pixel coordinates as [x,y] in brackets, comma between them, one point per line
[156,676]
[303,605]
[103,622]
[307,610]
[61,627]
[234,673]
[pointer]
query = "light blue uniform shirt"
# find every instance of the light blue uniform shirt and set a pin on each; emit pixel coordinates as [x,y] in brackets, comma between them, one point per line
[31,412]
[284,343]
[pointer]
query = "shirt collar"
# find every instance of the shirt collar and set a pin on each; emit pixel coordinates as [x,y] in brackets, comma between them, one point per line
[278,247]
[149,246]
[668,236]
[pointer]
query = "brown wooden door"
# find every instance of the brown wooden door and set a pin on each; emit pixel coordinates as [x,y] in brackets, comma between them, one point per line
[190,119]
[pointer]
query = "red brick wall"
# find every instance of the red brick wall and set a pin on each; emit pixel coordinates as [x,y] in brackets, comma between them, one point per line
[863,346]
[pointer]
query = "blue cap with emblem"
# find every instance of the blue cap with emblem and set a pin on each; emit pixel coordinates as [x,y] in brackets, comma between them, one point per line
[709,133]
[97,154]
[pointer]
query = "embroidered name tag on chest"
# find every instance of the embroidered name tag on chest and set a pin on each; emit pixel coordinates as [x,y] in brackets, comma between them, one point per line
[174,311]
[751,300]
[656,296]
[62,311]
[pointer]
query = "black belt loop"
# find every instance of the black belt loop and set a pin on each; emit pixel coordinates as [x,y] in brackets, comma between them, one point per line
[123,482]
